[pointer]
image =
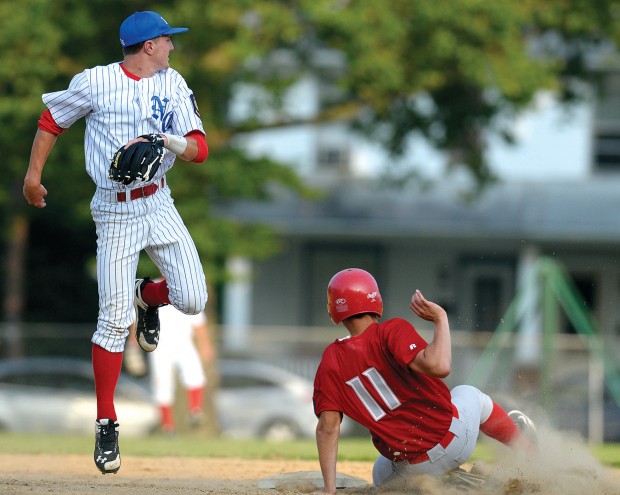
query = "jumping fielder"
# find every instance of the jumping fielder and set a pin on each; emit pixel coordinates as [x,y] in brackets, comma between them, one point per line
[388,378]
[185,345]
[141,113]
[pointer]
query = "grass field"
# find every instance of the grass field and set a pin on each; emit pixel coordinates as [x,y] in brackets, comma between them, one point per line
[350,449]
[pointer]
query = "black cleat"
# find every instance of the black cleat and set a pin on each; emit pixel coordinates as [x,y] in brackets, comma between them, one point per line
[147,324]
[107,455]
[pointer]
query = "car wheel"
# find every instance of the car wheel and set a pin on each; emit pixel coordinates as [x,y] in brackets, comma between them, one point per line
[280,431]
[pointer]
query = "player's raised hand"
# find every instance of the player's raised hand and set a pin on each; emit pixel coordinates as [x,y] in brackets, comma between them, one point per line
[35,194]
[427,310]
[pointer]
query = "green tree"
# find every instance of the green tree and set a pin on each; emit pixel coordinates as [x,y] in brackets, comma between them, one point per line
[32,58]
[450,71]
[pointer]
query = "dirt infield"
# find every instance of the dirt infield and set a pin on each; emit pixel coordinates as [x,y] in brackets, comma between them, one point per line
[45,474]
[563,466]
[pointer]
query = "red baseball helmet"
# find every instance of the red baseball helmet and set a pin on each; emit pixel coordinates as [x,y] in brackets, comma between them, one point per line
[351,292]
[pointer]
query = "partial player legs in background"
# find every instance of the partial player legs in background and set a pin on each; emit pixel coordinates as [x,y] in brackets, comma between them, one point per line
[167,419]
[194,401]
[195,412]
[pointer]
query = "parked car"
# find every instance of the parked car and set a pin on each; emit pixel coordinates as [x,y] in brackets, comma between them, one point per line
[57,394]
[257,399]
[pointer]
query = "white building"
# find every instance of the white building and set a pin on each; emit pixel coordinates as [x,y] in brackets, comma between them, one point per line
[557,197]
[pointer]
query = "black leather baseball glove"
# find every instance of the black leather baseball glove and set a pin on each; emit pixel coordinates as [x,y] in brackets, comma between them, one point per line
[139,161]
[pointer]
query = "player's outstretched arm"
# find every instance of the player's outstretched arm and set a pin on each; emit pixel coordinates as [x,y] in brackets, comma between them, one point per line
[327,436]
[42,146]
[436,358]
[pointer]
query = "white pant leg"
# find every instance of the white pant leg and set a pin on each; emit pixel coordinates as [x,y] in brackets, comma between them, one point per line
[382,469]
[191,372]
[162,376]
[118,250]
[173,250]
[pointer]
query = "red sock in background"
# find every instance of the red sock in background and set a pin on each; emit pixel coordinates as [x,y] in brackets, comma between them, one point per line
[194,399]
[106,369]
[156,293]
[167,418]
[500,427]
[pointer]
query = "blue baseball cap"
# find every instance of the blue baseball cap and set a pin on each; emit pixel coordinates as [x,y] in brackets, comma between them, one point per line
[145,25]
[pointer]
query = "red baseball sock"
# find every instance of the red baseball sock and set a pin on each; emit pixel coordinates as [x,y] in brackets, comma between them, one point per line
[156,293]
[500,427]
[194,399]
[106,369]
[167,418]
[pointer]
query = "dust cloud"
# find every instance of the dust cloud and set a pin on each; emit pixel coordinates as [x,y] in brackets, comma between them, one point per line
[562,466]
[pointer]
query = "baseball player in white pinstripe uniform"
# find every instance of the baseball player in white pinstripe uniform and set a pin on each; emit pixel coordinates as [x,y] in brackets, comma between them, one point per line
[120,102]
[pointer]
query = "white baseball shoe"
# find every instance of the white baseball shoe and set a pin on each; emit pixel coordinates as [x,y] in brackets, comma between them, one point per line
[525,425]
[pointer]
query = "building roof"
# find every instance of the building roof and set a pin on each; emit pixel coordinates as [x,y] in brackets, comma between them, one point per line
[587,212]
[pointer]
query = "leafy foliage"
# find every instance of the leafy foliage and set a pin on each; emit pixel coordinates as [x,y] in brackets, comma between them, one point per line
[450,71]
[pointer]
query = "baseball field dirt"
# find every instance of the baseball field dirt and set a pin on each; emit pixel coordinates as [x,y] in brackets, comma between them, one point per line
[563,466]
[72,475]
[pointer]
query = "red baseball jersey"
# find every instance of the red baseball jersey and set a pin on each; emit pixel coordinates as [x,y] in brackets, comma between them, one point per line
[367,378]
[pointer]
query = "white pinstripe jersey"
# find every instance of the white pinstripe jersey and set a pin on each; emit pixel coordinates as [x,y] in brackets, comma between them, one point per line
[118,109]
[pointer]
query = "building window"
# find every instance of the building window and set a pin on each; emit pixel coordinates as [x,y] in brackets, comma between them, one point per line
[586,291]
[333,158]
[486,288]
[488,305]
[606,135]
[607,150]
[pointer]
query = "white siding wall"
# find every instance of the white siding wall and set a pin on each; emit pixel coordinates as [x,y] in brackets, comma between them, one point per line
[553,143]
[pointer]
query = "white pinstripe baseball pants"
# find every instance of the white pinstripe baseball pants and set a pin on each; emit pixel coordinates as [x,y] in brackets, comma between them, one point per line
[123,230]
